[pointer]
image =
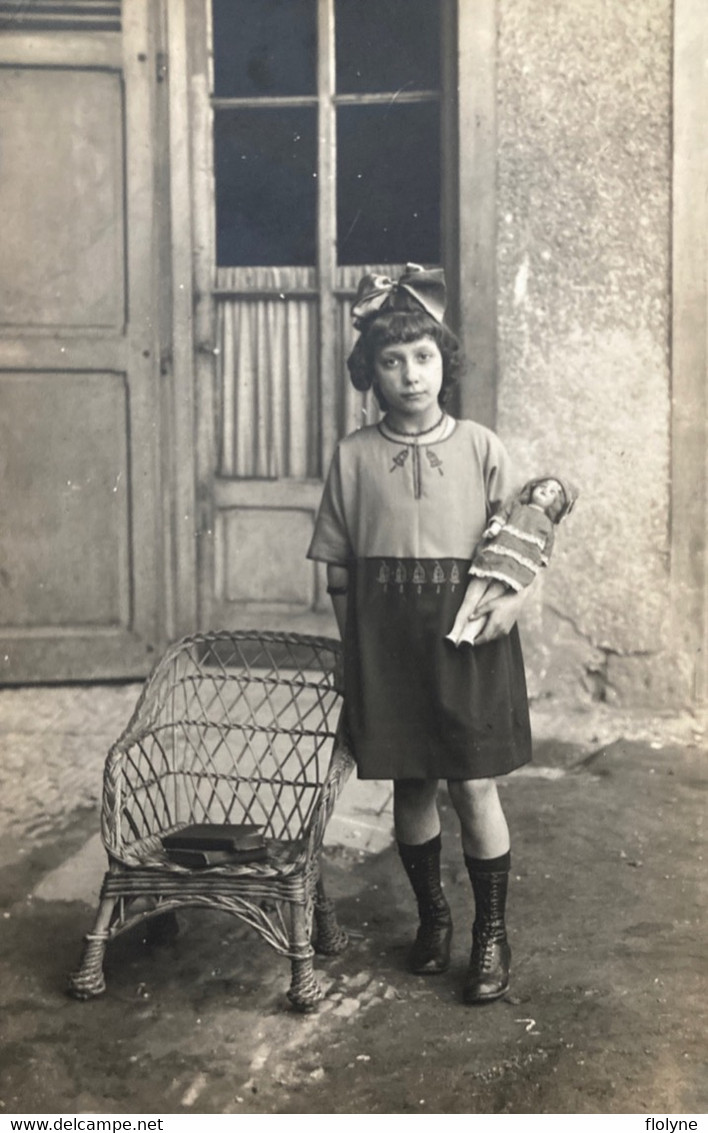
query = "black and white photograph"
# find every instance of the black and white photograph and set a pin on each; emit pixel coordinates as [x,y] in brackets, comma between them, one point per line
[353,562]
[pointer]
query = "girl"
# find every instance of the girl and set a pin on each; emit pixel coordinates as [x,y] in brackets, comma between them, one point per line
[405,503]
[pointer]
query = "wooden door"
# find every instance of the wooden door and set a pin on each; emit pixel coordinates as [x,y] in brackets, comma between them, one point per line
[79,425]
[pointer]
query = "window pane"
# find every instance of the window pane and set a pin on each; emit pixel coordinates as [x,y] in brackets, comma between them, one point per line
[387,44]
[388,193]
[264,47]
[266,188]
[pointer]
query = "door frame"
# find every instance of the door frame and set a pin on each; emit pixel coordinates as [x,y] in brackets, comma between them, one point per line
[688,632]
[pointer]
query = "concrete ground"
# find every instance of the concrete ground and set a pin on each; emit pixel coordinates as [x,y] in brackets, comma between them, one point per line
[607,1009]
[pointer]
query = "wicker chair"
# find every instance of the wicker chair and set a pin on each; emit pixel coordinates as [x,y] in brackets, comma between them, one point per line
[230,727]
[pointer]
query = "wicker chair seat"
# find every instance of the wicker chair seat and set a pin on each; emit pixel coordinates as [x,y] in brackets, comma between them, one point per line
[284,858]
[230,728]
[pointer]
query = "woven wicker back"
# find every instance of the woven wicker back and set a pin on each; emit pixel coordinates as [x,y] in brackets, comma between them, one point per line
[231,727]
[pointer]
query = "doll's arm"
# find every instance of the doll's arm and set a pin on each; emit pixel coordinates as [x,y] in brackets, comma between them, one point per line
[499,520]
[496,524]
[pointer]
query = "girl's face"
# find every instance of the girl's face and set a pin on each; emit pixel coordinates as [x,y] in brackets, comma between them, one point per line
[409,376]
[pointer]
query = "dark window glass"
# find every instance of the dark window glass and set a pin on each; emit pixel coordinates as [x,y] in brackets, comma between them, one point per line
[388,192]
[264,47]
[266,188]
[386,45]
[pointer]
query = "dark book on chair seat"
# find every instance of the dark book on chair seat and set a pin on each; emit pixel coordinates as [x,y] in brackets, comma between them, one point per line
[202,859]
[244,836]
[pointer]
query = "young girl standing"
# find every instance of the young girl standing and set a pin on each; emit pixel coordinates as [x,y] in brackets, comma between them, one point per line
[405,503]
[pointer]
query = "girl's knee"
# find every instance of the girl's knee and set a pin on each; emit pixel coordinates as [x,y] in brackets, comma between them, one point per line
[472,792]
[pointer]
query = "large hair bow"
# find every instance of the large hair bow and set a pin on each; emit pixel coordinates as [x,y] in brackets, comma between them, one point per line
[424,287]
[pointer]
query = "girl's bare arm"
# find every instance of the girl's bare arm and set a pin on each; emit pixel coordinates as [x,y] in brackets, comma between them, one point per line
[338,581]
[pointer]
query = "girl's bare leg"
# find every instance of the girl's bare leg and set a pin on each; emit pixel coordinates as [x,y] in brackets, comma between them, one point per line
[485,833]
[415,812]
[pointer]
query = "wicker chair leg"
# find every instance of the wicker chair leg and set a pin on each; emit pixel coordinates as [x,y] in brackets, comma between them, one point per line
[330,939]
[88,981]
[304,992]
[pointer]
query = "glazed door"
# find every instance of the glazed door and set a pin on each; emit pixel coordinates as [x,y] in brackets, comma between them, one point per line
[326,120]
[79,427]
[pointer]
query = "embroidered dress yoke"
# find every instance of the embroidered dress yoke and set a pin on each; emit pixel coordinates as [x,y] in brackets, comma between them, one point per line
[404,518]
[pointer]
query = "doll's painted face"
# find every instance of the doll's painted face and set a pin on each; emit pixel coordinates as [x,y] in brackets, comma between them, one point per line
[549,496]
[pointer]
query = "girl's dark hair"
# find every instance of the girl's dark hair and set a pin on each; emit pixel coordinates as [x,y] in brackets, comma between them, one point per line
[388,327]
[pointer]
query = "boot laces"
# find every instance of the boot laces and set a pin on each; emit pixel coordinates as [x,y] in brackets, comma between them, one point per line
[484,939]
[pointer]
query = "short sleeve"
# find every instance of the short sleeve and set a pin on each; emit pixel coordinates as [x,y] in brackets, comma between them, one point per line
[501,479]
[331,542]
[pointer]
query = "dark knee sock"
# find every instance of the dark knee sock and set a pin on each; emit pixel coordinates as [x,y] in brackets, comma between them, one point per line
[502,864]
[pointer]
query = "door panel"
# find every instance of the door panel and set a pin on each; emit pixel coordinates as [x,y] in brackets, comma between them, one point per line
[67,509]
[79,427]
[65,185]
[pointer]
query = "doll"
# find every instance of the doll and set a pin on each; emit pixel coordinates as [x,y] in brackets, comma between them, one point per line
[516,543]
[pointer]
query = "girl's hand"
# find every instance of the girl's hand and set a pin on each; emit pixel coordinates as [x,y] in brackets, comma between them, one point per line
[502,613]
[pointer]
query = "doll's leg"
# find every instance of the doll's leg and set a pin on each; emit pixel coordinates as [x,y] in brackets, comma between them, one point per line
[417,824]
[485,842]
[475,593]
[474,625]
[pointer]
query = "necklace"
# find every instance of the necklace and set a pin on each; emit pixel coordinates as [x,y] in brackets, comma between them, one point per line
[422,433]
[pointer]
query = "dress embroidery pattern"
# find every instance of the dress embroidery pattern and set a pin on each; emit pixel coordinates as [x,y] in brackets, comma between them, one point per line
[434,461]
[399,460]
[384,575]
[412,573]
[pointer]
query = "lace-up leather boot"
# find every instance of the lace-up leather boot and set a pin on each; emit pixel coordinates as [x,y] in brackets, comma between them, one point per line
[430,952]
[488,972]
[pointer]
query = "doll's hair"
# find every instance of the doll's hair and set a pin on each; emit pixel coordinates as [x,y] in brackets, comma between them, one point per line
[391,326]
[561,508]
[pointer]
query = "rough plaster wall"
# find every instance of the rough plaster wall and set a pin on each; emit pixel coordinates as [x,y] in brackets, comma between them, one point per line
[583,277]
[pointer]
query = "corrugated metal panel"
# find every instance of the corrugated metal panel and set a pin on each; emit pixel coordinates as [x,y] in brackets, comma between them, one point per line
[55,15]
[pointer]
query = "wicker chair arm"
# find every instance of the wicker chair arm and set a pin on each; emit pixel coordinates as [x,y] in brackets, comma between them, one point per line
[111,803]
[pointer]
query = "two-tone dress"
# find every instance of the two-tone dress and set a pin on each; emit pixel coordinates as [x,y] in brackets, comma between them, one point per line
[405,518]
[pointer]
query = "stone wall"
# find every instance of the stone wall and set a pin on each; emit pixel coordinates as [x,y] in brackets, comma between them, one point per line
[584,163]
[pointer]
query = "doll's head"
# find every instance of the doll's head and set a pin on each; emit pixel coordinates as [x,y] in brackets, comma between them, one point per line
[554,496]
[385,313]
